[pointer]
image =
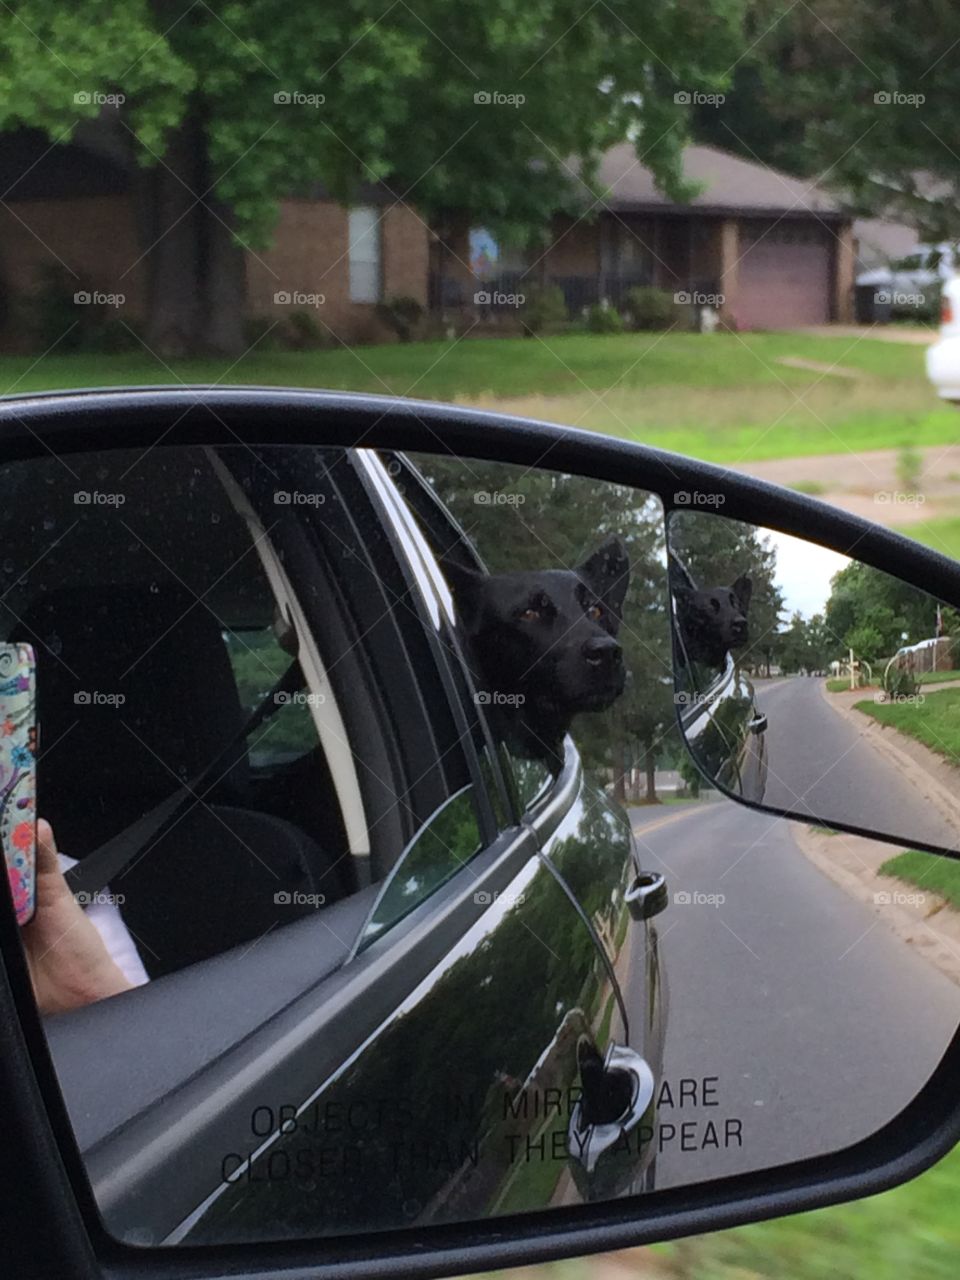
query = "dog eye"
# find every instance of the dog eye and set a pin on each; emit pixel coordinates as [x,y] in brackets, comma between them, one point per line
[715,604]
[595,612]
[530,615]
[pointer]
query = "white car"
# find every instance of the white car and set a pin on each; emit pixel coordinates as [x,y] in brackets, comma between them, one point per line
[943,358]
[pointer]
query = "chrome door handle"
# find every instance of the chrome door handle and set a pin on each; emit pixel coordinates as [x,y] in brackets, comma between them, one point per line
[647,895]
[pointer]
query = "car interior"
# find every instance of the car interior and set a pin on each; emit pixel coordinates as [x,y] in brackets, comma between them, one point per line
[175,615]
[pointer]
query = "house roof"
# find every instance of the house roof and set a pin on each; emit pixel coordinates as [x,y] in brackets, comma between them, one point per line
[730,185]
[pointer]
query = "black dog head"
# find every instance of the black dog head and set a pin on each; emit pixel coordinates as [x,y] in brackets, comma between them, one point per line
[544,641]
[711,620]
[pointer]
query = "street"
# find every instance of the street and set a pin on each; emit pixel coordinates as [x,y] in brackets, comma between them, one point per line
[798,1022]
[817,763]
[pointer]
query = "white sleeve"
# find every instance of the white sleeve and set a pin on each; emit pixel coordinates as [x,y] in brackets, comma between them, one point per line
[106,919]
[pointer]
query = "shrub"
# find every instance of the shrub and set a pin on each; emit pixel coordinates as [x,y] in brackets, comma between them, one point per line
[651,308]
[261,332]
[604,319]
[900,683]
[303,331]
[544,305]
[909,468]
[57,318]
[402,315]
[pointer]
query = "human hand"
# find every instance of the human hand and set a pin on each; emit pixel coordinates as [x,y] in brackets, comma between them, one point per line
[68,961]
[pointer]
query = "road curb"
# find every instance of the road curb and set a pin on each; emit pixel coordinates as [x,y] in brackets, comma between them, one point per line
[935,945]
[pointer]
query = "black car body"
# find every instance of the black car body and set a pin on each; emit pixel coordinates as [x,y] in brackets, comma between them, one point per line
[273,1082]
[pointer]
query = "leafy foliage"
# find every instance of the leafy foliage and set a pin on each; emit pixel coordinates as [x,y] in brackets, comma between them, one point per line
[290,95]
[604,319]
[402,314]
[544,307]
[870,611]
[861,92]
[651,308]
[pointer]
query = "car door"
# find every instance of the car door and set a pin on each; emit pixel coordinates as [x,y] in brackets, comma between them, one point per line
[341,1075]
[431,1117]
[586,841]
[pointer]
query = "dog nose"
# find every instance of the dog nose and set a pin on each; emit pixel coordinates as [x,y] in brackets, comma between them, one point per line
[601,650]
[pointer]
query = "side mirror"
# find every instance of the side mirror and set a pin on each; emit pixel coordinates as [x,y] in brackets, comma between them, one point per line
[811,684]
[401,760]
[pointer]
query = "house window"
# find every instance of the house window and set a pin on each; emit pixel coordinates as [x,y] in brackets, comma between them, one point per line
[366,283]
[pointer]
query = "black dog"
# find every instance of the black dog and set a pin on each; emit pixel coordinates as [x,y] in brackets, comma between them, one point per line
[711,620]
[544,644]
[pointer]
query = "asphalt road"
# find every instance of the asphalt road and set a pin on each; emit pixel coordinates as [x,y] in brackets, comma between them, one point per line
[798,1022]
[818,764]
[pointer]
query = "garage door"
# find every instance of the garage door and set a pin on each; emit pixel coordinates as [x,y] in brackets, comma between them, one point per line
[784,275]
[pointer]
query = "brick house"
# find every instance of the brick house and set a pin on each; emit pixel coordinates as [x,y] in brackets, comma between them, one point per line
[72,206]
[779,250]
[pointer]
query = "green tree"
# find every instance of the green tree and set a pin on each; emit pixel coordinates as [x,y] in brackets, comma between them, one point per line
[866,641]
[396,94]
[866,602]
[806,645]
[793,646]
[859,91]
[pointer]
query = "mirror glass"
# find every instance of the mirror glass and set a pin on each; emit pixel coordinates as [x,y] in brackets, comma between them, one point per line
[377,887]
[812,683]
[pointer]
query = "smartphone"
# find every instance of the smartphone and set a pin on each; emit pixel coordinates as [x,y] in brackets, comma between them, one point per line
[18,774]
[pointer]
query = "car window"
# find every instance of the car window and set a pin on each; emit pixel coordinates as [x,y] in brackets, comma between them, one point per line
[185,584]
[258,662]
[439,850]
[526,780]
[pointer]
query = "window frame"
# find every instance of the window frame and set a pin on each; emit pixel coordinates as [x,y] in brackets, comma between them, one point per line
[374,236]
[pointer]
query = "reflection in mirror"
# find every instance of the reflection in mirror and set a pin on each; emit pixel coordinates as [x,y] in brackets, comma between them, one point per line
[809,682]
[377,827]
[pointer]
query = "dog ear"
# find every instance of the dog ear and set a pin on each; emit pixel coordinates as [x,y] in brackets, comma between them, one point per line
[608,572]
[743,590]
[464,584]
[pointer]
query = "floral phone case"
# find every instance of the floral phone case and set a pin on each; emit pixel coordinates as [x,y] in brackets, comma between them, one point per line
[18,776]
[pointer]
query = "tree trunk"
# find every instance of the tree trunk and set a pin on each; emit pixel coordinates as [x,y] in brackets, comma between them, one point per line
[169,224]
[650,768]
[224,282]
[621,765]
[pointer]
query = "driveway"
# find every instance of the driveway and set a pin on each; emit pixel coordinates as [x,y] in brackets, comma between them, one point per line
[869,484]
[919,335]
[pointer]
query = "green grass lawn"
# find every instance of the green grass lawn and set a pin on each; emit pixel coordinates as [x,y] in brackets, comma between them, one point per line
[909,1233]
[935,677]
[719,396]
[934,722]
[928,871]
